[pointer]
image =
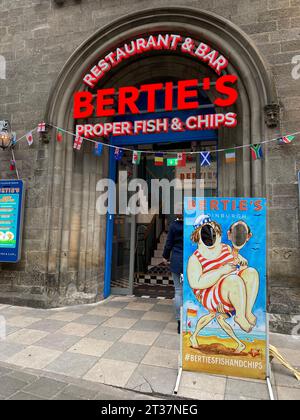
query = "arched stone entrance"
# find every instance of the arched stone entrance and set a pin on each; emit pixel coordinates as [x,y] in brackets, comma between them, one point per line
[76,233]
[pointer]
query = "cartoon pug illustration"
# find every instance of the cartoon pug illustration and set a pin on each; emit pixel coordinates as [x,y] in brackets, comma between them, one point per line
[221,281]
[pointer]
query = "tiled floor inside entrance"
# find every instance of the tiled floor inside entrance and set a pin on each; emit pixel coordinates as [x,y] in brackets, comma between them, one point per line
[127,342]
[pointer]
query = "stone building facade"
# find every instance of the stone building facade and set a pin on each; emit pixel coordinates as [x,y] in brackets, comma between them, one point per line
[45,46]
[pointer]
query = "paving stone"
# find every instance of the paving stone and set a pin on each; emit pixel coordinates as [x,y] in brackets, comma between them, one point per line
[127,352]
[127,313]
[158,316]
[34,357]
[115,322]
[71,364]
[8,349]
[166,358]
[4,371]
[65,316]
[45,388]
[284,341]
[76,329]
[140,306]
[23,396]
[9,386]
[115,304]
[163,308]
[75,391]
[27,336]
[285,394]
[21,321]
[58,341]
[48,325]
[153,379]
[67,397]
[247,389]
[91,320]
[146,338]
[104,311]
[239,398]
[144,325]
[204,383]
[106,333]
[91,347]
[111,372]
[168,341]
[23,376]
[195,394]
[171,328]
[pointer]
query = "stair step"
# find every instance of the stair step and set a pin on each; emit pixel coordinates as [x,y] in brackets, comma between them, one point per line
[156,261]
[158,253]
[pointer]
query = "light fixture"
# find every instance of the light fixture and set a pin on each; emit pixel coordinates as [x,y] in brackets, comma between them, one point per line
[6,136]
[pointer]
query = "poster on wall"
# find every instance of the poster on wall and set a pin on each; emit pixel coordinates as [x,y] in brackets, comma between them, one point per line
[11,220]
[225,291]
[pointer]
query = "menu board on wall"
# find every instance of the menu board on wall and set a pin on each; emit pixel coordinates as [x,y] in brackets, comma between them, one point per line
[11,220]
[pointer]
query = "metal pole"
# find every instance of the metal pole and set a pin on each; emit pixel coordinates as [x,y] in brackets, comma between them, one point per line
[180,357]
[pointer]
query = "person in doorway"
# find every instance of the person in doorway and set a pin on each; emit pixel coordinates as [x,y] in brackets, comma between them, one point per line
[173,252]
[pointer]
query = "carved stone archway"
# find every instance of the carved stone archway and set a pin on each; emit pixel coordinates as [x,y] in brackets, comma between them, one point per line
[76,238]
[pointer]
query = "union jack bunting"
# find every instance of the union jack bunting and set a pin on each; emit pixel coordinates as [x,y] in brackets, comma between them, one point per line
[41,127]
[78,143]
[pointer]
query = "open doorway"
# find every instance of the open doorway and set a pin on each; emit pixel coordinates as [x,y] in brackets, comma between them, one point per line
[138,240]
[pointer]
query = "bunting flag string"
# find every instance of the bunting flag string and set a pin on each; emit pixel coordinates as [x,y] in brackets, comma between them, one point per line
[29,138]
[205,159]
[136,157]
[256,151]
[98,149]
[230,156]
[78,143]
[286,139]
[205,156]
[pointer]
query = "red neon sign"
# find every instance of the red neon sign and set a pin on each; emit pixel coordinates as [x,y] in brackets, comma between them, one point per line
[111,102]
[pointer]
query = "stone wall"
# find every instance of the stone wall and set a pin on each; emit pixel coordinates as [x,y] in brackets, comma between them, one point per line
[36,39]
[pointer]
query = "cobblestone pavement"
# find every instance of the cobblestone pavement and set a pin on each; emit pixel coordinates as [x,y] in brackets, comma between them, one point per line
[125,342]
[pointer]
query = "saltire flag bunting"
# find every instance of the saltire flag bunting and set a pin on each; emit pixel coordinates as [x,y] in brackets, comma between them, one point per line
[119,153]
[159,159]
[12,166]
[181,160]
[172,162]
[205,158]
[41,127]
[98,149]
[78,143]
[256,151]
[286,139]
[59,136]
[29,138]
[136,157]
[230,156]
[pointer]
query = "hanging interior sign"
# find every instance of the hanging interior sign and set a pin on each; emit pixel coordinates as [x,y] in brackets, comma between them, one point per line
[224,308]
[11,220]
[181,96]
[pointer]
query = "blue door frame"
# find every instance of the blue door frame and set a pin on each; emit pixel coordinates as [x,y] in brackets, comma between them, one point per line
[110,218]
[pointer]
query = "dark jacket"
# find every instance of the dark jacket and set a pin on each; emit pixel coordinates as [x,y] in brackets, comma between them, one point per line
[174,246]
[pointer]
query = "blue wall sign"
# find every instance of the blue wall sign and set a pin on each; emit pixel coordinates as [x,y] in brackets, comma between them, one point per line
[11,220]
